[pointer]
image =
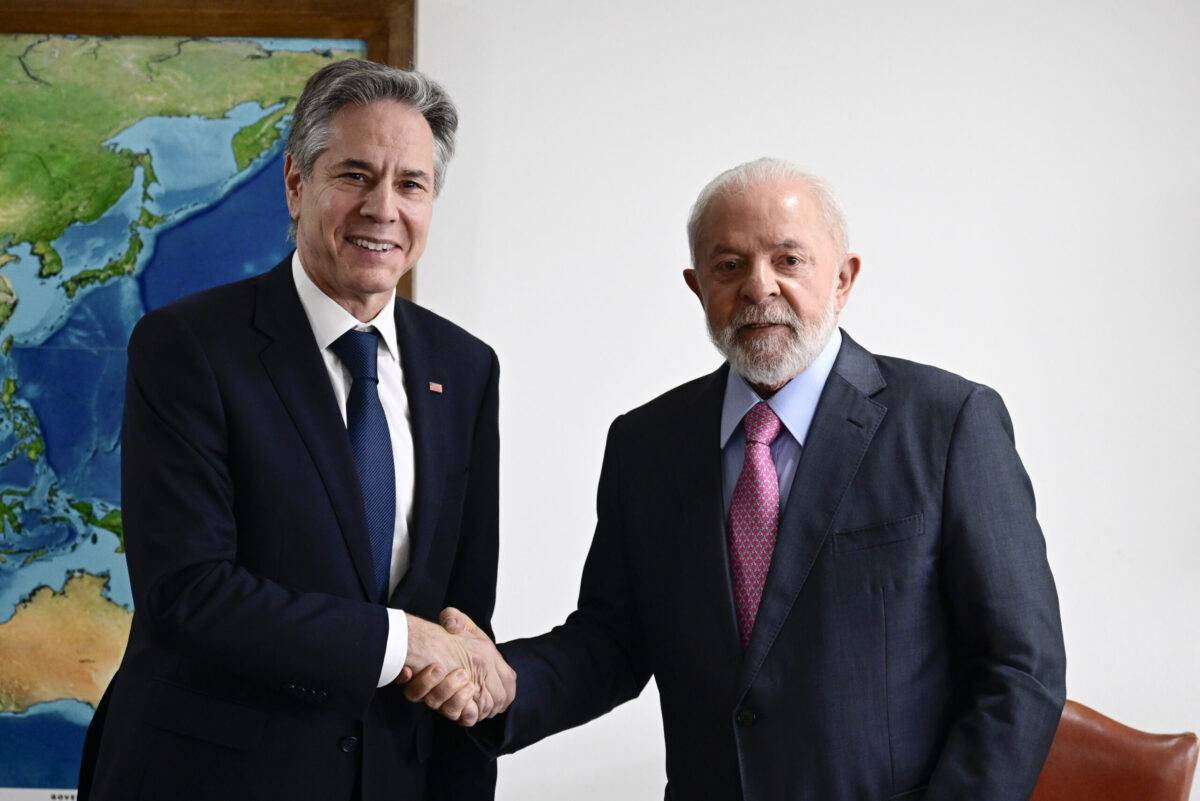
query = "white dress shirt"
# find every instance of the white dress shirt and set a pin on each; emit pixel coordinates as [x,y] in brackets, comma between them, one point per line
[329,321]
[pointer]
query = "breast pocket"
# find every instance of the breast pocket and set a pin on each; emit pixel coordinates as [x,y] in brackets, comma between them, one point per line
[879,535]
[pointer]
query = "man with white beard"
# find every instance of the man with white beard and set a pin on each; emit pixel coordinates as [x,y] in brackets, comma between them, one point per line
[828,560]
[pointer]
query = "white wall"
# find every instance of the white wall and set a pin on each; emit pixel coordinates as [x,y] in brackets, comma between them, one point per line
[1022,180]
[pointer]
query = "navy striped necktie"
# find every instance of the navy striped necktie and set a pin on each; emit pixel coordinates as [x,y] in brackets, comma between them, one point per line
[372,445]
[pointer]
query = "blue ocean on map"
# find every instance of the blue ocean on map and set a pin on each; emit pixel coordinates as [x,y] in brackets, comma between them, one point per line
[243,235]
[189,152]
[221,226]
[88,354]
[42,746]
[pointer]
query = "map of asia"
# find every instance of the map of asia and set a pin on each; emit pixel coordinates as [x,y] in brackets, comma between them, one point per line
[133,171]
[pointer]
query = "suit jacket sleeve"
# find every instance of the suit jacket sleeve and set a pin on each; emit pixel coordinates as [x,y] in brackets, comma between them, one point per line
[459,770]
[594,661]
[1004,614]
[182,541]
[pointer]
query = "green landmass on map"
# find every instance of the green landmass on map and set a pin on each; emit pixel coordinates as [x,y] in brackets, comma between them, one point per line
[122,265]
[11,504]
[147,219]
[150,178]
[250,142]
[62,97]
[51,261]
[26,432]
[8,299]
[110,521]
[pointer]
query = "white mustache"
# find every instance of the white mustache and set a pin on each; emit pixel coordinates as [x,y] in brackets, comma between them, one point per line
[759,315]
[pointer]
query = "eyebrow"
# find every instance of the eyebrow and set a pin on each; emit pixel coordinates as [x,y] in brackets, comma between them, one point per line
[786,244]
[410,173]
[359,164]
[720,247]
[791,244]
[356,164]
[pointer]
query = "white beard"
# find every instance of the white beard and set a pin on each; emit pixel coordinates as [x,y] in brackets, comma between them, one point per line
[767,362]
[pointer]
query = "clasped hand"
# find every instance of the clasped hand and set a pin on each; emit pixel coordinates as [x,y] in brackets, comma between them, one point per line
[455,669]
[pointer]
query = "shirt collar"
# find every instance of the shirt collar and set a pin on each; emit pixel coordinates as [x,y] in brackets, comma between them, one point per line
[794,404]
[329,320]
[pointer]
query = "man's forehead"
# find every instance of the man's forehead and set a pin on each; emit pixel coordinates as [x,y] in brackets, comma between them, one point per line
[783,197]
[381,121]
[774,213]
[379,106]
[382,129]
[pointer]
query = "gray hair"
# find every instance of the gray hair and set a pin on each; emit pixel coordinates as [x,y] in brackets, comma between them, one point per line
[362,82]
[743,176]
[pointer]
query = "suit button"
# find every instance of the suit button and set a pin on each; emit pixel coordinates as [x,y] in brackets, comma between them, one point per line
[746,716]
[348,744]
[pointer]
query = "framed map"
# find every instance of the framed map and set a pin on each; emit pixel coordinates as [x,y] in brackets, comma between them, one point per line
[133,170]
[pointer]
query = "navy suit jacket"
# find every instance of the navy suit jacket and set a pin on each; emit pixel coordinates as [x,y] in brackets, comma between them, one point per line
[908,642]
[255,649]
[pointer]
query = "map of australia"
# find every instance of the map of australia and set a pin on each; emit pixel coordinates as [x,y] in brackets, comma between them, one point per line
[133,171]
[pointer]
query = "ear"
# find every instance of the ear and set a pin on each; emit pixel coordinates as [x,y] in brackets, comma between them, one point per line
[693,281]
[847,275]
[293,182]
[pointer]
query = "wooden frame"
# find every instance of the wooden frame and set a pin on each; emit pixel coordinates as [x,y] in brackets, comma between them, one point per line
[387,26]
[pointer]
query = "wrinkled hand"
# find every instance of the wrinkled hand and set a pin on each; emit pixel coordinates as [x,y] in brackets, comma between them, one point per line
[456,670]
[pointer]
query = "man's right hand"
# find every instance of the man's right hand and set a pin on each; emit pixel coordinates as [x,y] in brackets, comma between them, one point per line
[455,669]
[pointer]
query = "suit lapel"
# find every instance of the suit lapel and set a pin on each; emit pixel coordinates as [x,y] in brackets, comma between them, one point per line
[421,365]
[703,553]
[298,373]
[842,428]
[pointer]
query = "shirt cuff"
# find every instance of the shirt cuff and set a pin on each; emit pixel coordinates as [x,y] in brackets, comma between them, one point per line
[396,650]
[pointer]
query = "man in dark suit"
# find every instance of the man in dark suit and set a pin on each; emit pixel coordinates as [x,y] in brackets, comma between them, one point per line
[828,560]
[304,456]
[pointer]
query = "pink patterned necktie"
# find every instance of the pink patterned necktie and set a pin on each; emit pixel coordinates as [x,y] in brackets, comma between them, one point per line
[754,516]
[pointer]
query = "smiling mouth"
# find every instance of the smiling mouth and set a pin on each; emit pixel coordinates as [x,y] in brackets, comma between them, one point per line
[369,244]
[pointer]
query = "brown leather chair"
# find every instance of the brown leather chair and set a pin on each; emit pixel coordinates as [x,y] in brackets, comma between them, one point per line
[1094,758]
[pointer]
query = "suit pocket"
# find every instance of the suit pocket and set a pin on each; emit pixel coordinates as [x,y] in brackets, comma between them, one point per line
[179,709]
[876,536]
[911,795]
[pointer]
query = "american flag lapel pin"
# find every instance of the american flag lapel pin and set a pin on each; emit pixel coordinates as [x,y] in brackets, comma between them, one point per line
[435,387]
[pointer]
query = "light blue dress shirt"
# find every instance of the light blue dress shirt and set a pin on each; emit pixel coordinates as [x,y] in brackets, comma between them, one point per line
[794,404]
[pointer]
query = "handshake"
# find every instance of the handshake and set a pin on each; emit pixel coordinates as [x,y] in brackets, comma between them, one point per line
[455,669]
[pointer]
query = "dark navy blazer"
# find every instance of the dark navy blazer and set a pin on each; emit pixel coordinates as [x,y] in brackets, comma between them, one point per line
[908,644]
[254,653]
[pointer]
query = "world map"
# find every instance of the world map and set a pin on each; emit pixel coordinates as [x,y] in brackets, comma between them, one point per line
[133,171]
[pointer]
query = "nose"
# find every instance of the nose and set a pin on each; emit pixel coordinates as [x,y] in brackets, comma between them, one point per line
[381,203]
[760,283]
